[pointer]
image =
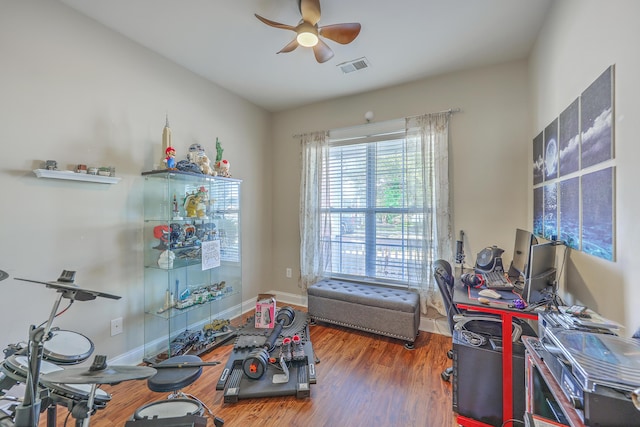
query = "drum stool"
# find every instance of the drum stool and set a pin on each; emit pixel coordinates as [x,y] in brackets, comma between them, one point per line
[174,379]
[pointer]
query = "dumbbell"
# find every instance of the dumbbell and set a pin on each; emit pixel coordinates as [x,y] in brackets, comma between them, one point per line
[255,364]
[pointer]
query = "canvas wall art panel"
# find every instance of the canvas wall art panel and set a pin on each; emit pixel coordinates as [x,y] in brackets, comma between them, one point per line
[598,213]
[551,211]
[596,120]
[538,159]
[538,211]
[551,151]
[569,221]
[569,139]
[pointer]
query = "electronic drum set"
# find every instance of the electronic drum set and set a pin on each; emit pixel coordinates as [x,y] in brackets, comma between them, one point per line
[42,367]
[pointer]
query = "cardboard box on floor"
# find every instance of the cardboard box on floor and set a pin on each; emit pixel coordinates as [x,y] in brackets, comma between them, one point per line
[265,311]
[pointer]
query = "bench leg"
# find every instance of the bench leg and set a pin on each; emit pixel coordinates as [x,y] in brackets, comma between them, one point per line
[411,345]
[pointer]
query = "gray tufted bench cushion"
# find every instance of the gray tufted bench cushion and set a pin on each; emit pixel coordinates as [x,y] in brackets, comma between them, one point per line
[378,309]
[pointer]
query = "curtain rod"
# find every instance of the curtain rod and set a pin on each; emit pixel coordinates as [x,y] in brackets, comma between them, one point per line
[450,110]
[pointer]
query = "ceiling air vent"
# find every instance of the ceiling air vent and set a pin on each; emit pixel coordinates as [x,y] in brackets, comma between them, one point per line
[355,65]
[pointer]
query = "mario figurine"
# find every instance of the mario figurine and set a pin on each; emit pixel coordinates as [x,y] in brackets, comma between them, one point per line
[170,160]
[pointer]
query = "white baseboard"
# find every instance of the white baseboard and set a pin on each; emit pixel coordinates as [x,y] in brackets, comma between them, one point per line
[434,325]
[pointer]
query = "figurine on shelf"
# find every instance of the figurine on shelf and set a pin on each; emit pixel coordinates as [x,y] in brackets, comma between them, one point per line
[203,200]
[170,160]
[161,232]
[166,134]
[175,209]
[219,150]
[205,165]
[166,259]
[191,205]
[51,165]
[195,151]
[222,167]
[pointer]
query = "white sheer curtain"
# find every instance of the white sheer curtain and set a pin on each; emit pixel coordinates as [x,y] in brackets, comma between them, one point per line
[314,255]
[430,134]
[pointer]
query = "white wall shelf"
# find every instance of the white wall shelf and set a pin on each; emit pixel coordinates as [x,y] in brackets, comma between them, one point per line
[73,176]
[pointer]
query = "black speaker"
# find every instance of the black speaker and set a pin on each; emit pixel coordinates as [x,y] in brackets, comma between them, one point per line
[490,259]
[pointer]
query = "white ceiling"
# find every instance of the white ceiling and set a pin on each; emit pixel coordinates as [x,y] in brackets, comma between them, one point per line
[403,40]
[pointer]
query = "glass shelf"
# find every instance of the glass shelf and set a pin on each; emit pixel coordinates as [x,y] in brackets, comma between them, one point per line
[173,312]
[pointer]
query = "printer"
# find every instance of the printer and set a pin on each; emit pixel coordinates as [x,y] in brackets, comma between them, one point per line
[597,370]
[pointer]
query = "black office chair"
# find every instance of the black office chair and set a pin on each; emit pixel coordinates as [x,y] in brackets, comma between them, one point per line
[477,326]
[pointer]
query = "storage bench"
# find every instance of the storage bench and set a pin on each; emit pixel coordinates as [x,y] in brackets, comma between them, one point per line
[382,310]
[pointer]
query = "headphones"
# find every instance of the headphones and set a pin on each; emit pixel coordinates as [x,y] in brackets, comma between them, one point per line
[472,280]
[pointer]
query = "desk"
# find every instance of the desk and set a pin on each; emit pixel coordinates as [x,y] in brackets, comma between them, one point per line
[461,300]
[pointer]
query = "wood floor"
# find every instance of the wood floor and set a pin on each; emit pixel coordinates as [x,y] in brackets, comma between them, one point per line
[362,380]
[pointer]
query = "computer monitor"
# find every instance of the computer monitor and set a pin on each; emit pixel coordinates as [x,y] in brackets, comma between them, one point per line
[521,253]
[541,274]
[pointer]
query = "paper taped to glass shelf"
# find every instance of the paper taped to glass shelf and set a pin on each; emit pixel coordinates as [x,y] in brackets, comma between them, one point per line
[210,254]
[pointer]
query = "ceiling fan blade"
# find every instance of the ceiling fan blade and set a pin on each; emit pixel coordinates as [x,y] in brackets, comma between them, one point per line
[341,33]
[310,10]
[291,46]
[274,23]
[322,52]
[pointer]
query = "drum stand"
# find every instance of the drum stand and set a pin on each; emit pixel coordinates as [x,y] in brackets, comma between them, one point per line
[82,410]
[28,413]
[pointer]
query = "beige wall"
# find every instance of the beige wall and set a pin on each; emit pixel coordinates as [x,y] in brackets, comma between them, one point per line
[78,93]
[488,154]
[75,92]
[580,39]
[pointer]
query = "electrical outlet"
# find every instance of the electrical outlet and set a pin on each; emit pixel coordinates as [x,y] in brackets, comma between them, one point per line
[288,273]
[116,326]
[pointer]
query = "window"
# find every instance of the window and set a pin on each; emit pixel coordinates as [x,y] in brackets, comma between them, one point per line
[376,213]
[376,207]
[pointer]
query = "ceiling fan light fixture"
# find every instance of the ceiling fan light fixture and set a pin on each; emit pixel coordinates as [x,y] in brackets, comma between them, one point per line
[307,39]
[307,34]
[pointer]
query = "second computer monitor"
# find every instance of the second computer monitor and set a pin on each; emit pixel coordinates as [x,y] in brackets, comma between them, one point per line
[541,274]
[518,269]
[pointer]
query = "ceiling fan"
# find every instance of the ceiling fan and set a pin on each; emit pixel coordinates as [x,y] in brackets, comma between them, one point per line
[308,32]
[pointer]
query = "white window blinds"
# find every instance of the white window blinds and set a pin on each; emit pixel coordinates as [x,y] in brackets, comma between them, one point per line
[371,193]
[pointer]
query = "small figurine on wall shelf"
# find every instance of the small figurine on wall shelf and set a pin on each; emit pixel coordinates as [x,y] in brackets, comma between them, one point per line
[51,165]
[170,160]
